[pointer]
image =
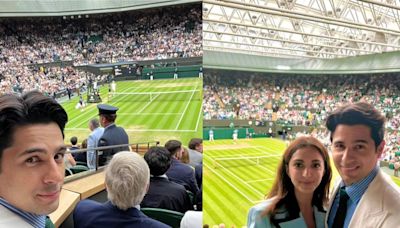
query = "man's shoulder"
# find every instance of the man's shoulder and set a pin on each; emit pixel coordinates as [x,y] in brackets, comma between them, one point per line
[10,219]
[391,189]
[86,206]
[148,222]
[182,167]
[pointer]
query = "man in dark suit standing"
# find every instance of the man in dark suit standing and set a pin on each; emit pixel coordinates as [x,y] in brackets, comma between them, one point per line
[164,193]
[127,180]
[112,135]
[179,172]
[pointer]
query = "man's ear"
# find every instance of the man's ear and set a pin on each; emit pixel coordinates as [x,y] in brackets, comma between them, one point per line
[380,148]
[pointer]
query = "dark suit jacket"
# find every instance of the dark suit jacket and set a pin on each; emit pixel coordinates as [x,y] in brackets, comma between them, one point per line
[78,156]
[167,195]
[90,213]
[182,174]
[198,172]
[112,135]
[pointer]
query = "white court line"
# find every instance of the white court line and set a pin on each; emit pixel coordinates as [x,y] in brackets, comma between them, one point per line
[265,150]
[84,112]
[148,103]
[229,183]
[260,180]
[243,181]
[236,155]
[199,115]
[137,130]
[262,166]
[238,148]
[184,111]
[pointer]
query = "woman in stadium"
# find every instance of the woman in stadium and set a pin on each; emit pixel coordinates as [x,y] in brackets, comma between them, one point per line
[300,190]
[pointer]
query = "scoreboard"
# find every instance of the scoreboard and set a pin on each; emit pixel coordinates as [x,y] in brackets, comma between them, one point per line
[125,70]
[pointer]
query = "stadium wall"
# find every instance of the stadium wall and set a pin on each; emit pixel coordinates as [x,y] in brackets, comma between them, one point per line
[366,64]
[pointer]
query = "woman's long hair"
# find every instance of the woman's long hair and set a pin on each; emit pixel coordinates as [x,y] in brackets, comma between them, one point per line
[283,190]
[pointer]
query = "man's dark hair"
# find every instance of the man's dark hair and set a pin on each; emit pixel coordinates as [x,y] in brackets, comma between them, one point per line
[173,146]
[30,108]
[195,142]
[159,160]
[358,113]
[74,140]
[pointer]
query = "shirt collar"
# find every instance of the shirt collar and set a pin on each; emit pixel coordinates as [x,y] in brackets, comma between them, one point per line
[356,190]
[109,125]
[33,219]
[163,176]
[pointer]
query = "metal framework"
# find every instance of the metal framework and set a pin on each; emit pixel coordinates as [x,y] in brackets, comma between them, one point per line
[302,28]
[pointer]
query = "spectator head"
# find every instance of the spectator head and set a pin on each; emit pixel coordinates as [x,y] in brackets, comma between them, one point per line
[357,132]
[185,156]
[159,160]
[93,124]
[360,113]
[84,144]
[284,186]
[196,144]
[107,113]
[127,179]
[31,148]
[175,148]
[74,140]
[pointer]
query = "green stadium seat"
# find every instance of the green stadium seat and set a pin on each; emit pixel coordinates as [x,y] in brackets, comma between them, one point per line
[81,163]
[391,166]
[79,168]
[172,218]
[397,153]
[191,197]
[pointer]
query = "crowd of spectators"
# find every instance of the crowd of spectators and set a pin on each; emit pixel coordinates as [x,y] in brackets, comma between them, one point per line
[297,99]
[149,34]
[303,100]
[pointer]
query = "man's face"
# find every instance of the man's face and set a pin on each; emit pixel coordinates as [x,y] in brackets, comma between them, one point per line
[101,119]
[32,168]
[354,152]
[90,126]
[199,148]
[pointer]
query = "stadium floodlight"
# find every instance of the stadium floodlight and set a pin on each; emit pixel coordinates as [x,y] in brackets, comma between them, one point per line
[283,67]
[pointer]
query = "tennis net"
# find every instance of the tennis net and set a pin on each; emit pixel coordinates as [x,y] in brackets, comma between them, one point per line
[245,161]
[181,95]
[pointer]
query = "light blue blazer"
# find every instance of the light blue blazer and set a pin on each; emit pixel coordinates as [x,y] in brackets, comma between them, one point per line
[254,219]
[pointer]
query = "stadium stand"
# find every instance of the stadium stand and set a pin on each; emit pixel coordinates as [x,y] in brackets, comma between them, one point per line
[33,54]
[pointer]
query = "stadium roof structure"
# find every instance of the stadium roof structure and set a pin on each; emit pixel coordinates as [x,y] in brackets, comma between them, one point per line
[299,29]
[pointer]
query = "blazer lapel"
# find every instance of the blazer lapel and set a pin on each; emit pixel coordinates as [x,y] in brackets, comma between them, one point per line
[370,209]
[330,202]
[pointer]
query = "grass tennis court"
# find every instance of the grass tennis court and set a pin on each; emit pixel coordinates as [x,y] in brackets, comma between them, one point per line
[237,176]
[156,110]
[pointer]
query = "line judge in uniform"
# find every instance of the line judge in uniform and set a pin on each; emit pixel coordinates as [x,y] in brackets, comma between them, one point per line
[112,135]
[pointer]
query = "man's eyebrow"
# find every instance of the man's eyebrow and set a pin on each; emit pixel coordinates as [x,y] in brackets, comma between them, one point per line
[42,150]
